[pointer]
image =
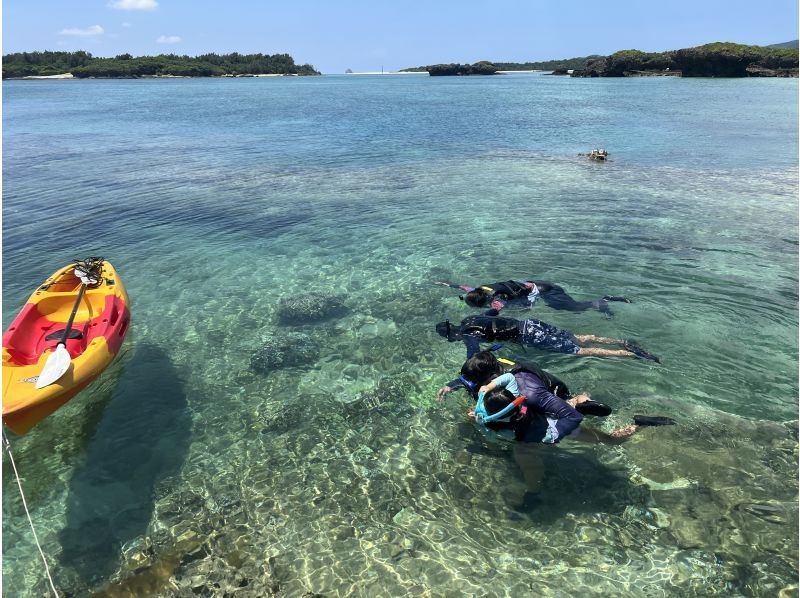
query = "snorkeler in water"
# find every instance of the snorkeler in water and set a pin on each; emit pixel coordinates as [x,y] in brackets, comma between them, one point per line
[491,328]
[525,294]
[521,403]
[484,366]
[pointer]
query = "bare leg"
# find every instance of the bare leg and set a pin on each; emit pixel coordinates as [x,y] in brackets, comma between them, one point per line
[618,436]
[597,352]
[591,338]
[528,458]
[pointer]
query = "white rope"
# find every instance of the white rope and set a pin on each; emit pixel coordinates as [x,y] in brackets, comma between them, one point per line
[25,504]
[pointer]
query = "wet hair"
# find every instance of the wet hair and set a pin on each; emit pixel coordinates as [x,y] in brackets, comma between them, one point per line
[481,368]
[449,331]
[477,298]
[497,400]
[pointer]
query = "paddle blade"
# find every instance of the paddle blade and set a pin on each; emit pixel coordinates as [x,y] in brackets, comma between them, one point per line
[56,366]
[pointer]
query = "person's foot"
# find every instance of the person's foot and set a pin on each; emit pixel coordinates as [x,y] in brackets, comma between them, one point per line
[653,420]
[593,408]
[635,348]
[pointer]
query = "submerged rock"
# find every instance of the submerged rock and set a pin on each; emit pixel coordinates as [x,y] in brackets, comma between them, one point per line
[389,396]
[312,307]
[284,350]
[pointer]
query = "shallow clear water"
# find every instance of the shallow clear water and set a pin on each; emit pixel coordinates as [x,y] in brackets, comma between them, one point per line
[332,469]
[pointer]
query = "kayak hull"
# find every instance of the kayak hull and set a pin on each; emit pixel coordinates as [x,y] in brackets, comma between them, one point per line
[100,325]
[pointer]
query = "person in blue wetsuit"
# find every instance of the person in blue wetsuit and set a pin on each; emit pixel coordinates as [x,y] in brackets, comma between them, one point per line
[523,404]
[491,328]
[525,293]
[485,367]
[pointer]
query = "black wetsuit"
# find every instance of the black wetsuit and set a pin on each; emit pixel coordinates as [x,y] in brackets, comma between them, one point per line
[556,297]
[519,293]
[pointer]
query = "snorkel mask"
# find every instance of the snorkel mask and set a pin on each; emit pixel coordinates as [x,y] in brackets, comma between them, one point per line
[448,331]
[482,416]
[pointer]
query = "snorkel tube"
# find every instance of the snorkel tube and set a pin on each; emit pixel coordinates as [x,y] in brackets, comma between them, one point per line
[482,416]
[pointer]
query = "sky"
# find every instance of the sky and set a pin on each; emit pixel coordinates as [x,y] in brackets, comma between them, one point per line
[390,35]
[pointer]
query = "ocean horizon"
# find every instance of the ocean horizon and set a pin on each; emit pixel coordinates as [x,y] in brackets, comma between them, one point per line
[271,425]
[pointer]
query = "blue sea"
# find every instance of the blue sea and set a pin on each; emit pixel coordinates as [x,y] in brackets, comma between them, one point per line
[271,426]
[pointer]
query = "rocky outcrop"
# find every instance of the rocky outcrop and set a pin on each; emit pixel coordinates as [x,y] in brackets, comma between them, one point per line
[711,60]
[760,71]
[312,307]
[284,350]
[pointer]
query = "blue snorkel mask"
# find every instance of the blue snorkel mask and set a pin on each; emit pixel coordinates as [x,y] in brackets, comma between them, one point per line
[483,417]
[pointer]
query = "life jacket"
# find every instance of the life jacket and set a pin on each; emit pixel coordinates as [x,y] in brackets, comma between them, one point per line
[508,290]
[490,328]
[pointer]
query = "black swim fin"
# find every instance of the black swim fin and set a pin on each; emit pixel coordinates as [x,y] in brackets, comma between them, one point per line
[653,420]
[593,408]
[635,348]
[617,298]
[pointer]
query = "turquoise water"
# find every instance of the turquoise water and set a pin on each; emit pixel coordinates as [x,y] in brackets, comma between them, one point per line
[231,449]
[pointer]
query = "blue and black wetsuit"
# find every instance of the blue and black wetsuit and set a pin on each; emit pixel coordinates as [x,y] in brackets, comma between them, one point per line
[540,417]
[551,418]
[491,328]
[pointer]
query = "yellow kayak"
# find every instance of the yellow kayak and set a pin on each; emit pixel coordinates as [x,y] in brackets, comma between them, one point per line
[100,323]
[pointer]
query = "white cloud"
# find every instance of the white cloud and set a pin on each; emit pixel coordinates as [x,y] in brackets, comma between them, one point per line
[88,32]
[134,4]
[168,39]
[127,25]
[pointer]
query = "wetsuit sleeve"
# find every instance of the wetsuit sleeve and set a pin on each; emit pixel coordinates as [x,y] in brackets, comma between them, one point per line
[455,384]
[473,345]
[562,419]
[508,382]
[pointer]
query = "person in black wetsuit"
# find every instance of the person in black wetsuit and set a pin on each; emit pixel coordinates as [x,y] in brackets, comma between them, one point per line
[525,293]
[491,328]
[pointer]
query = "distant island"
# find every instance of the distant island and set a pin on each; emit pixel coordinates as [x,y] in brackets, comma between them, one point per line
[717,59]
[546,65]
[484,67]
[83,65]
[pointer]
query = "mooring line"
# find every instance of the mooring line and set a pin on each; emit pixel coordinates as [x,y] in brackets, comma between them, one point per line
[27,512]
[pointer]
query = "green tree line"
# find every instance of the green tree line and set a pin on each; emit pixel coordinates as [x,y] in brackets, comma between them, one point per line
[719,59]
[479,68]
[546,65]
[82,65]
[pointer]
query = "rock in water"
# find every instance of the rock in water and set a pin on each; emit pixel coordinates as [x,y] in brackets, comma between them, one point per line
[284,350]
[312,307]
